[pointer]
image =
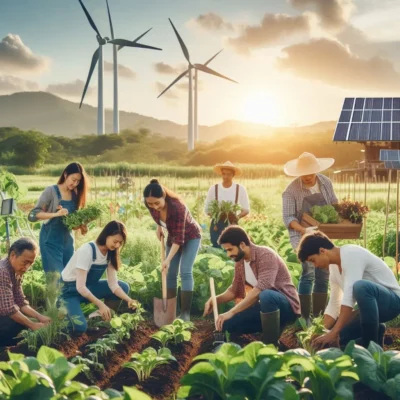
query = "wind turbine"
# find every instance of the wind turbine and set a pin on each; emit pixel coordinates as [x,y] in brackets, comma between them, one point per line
[116,48]
[196,67]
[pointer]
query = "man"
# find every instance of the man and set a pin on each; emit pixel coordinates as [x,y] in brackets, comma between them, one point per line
[14,308]
[310,188]
[226,191]
[357,276]
[273,301]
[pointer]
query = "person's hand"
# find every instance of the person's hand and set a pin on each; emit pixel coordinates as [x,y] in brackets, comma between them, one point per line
[208,307]
[323,340]
[61,211]
[132,304]
[45,320]
[105,312]
[165,265]
[159,233]
[222,318]
[84,229]
[37,325]
[310,229]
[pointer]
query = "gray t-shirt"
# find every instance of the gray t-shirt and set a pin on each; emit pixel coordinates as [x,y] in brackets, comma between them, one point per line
[48,202]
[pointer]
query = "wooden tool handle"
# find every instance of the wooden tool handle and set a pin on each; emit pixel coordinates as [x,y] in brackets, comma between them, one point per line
[214,301]
[163,272]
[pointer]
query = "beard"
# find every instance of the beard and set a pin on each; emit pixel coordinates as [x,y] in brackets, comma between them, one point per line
[240,255]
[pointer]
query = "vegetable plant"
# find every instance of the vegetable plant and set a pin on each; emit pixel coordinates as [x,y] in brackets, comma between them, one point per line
[83,216]
[325,214]
[179,331]
[352,210]
[225,211]
[309,333]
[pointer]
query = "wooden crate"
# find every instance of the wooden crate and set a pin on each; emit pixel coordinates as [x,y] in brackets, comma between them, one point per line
[344,230]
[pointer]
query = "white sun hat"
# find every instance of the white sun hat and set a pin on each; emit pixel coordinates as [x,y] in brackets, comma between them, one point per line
[227,165]
[307,164]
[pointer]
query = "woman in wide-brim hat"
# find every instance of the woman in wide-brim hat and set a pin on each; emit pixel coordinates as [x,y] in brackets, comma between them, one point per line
[226,191]
[310,188]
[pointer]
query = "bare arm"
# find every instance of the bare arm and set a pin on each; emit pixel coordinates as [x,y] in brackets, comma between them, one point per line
[297,227]
[329,322]
[247,302]
[23,320]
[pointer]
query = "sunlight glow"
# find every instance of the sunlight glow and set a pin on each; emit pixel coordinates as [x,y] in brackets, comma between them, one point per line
[261,107]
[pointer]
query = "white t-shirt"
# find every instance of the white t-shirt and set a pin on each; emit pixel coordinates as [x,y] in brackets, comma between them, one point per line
[228,194]
[357,264]
[315,189]
[249,274]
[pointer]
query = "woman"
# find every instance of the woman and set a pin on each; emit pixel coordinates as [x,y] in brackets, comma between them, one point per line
[55,240]
[82,277]
[183,241]
[310,188]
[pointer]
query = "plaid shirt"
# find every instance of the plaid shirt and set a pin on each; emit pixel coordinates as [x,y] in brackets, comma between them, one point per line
[12,297]
[292,202]
[271,273]
[181,226]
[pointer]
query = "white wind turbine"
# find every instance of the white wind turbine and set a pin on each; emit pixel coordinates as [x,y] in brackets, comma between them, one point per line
[196,67]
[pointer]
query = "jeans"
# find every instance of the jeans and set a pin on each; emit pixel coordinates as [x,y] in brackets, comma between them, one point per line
[185,259]
[249,321]
[215,234]
[8,330]
[311,274]
[72,300]
[376,304]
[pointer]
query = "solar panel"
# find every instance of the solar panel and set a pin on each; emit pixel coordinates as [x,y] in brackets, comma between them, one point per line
[369,119]
[391,158]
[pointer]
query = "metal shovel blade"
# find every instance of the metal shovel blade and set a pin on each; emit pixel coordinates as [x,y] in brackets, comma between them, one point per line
[164,311]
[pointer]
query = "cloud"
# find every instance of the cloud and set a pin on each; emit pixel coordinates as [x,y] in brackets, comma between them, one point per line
[332,13]
[163,68]
[11,84]
[16,57]
[69,89]
[272,29]
[170,94]
[333,63]
[123,71]
[212,22]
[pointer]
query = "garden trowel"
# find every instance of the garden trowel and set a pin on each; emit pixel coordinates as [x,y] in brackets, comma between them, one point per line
[164,309]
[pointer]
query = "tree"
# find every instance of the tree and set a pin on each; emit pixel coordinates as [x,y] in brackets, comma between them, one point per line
[31,149]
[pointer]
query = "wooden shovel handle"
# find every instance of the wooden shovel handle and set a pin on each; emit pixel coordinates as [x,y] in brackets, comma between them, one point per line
[163,272]
[214,301]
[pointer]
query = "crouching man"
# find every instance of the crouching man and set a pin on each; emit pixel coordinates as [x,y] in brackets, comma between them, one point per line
[14,308]
[356,276]
[273,301]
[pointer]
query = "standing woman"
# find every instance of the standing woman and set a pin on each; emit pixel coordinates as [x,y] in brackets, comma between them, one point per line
[183,241]
[56,241]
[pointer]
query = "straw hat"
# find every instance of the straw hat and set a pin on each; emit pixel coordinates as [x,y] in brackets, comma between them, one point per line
[307,164]
[227,165]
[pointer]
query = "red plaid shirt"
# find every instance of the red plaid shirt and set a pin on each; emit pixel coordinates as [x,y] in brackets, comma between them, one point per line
[181,226]
[12,297]
[271,273]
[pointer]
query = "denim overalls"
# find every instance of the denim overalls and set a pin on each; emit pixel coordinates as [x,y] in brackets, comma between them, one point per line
[97,286]
[55,240]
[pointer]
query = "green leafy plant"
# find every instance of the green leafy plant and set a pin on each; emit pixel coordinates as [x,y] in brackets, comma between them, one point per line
[163,337]
[144,363]
[325,214]
[225,211]
[354,211]
[309,333]
[179,331]
[83,216]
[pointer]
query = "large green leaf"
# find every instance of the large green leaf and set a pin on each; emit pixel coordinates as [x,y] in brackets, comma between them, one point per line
[392,387]
[394,364]
[131,393]
[47,355]
[330,354]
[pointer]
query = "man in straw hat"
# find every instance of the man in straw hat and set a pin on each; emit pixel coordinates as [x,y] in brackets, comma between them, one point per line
[226,191]
[310,188]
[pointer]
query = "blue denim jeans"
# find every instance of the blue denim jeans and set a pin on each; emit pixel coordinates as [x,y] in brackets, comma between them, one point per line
[249,321]
[376,304]
[72,300]
[311,274]
[184,259]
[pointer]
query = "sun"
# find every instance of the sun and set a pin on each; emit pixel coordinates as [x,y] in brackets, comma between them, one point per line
[261,107]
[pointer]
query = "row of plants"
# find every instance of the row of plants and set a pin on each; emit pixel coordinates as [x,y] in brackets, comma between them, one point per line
[259,371]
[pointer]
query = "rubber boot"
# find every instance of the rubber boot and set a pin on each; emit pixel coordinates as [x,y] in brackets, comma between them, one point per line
[271,329]
[186,305]
[171,293]
[319,303]
[305,303]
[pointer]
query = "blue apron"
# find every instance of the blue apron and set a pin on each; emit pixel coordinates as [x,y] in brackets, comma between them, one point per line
[56,241]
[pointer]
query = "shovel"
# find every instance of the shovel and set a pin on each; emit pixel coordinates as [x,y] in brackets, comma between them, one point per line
[164,309]
[219,337]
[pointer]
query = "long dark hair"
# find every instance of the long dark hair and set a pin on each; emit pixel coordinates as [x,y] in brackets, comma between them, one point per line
[154,189]
[111,229]
[82,188]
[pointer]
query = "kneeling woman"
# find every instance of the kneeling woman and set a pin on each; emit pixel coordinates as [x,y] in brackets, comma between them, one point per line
[82,281]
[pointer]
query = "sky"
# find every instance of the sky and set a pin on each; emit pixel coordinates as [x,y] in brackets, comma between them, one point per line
[294,61]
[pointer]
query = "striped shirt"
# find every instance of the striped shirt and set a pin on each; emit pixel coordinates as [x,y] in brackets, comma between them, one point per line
[292,202]
[12,297]
[271,273]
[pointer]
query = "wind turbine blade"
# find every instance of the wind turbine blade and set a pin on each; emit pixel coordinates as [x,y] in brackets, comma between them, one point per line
[212,58]
[137,39]
[95,58]
[110,20]
[128,43]
[208,70]
[183,46]
[91,22]
[173,83]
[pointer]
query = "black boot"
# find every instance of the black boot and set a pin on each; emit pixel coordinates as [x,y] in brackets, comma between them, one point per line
[271,329]
[186,305]
[171,293]
[319,303]
[305,303]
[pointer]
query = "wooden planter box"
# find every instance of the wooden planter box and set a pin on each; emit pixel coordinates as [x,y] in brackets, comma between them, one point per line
[343,230]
